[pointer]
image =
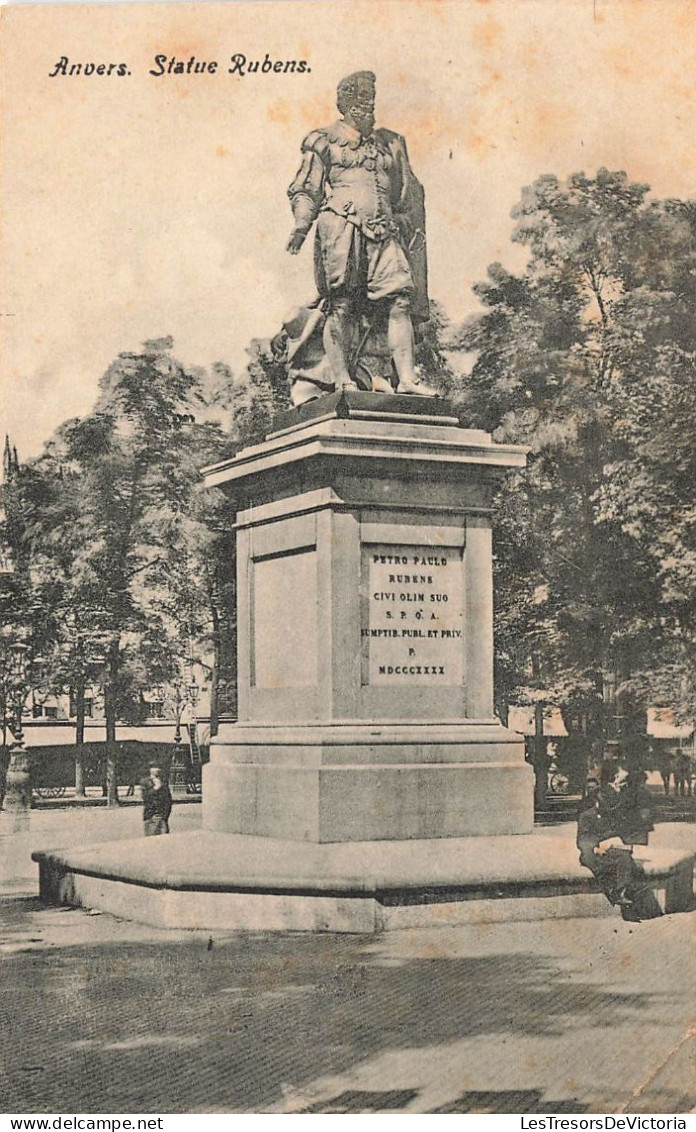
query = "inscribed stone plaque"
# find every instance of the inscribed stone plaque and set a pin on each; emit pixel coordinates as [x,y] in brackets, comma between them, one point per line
[412,623]
[284,625]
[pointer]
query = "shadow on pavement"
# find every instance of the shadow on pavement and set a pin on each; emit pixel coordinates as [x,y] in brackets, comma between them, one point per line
[124,1018]
[503,1101]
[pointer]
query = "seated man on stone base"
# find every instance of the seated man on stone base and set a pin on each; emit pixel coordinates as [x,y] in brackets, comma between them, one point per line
[606,852]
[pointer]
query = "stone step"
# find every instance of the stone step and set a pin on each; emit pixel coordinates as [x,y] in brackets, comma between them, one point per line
[216,881]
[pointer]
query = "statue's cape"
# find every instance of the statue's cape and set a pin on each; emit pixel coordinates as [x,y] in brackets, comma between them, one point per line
[412,223]
[416,249]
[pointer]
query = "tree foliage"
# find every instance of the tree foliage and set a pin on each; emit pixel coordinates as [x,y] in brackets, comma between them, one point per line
[117,529]
[588,358]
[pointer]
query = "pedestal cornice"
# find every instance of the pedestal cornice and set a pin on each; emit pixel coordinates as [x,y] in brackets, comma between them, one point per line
[357,428]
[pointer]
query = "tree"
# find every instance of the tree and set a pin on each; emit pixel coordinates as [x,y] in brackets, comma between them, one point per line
[260,395]
[115,535]
[22,627]
[585,358]
[73,639]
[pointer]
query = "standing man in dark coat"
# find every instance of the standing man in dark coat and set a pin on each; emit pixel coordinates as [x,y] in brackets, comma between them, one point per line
[157,802]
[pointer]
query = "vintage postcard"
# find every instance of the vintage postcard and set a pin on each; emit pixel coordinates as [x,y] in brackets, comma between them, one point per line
[348,560]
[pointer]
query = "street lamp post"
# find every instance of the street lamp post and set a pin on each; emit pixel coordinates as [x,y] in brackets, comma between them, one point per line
[192,693]
[18,786]
[185,699]
[177,776]
[192,690]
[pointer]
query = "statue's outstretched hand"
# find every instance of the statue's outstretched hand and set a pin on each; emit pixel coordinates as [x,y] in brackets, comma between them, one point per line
[296,241]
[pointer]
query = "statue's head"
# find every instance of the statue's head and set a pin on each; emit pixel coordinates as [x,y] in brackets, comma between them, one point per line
[355,98]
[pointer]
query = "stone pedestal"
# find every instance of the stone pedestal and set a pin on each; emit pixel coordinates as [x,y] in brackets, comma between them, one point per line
[367,785]
[365,630]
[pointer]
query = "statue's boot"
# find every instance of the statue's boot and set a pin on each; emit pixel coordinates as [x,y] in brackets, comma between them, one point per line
[302,392]
[336,334]
[381,385]
[416,387]
[401,347]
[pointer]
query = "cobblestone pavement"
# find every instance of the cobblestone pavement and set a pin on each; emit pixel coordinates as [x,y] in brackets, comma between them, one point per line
[101,1015]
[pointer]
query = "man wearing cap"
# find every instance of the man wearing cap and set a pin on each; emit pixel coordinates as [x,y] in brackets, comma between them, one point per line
[157,802]
[356,182]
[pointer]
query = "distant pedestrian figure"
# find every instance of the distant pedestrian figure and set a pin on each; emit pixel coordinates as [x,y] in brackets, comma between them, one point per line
[637,809]
[157,802]
[666,771]
[683,775]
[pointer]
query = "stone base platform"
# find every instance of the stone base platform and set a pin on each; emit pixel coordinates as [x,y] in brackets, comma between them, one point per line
[378,781]
[223,882]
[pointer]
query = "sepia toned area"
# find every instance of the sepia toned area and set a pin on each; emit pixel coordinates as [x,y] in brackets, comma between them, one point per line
[155,202]
[348,558]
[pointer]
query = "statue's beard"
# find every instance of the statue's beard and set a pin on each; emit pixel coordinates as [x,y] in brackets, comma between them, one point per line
[364,120]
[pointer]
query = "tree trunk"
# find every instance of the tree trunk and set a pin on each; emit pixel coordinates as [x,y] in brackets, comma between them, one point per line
[4,765]
[540,760]
[215,677]
[80,739]
[110,718]
[502,708]
[632,718]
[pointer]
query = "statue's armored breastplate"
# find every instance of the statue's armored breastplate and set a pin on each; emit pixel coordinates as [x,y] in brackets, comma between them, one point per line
[360,181]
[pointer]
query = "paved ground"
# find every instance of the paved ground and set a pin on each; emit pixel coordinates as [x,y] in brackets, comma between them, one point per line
[47,828]
[100,1015]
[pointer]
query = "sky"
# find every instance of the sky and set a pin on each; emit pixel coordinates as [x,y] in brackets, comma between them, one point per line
[139,205]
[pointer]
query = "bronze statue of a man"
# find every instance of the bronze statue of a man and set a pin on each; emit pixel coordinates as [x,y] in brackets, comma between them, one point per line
[356,182]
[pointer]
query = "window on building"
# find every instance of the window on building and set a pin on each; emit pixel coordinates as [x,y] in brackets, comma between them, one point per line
[155,710]
[51,712]
[89,706]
